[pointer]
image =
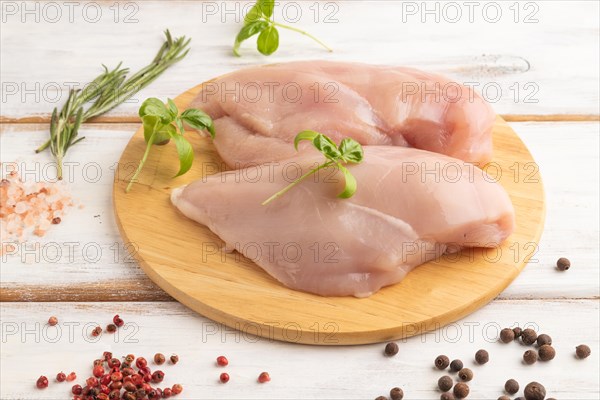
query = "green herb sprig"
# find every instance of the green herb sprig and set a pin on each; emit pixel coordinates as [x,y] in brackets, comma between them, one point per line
[161,124]
[109,90]
[260,21]
[349,151]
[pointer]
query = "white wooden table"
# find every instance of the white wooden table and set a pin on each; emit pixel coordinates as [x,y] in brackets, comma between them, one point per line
[539,67]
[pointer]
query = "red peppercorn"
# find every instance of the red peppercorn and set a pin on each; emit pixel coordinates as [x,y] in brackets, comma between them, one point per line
[128,396]
[101,396]
[128,371]
[147,388]
[177,388]
[224,377]
[141,362]
[116,376]
[97,331]
[105,379]
[42,382]
[71,377]
[222,361]
[158,376]
[114,362]
[61,377]
[111,328]
[107,355]
[118,321]
[98,371]
[147,377]
[264,377]
[129,387]
[77,389]
[129,358]
[114,394]
[116,385]
[52,321]
[174,359]
[166,393]
[91,381]
[104,389]
[159,359]
[144,371]
[137,379]
[154,394]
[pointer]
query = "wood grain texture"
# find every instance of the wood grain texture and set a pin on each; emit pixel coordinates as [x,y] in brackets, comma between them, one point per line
[297,371]
[545,63]
[180,256]
[562,150]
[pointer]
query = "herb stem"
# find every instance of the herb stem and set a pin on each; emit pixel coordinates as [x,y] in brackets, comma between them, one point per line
[142,162]
[297,181]
[291,28]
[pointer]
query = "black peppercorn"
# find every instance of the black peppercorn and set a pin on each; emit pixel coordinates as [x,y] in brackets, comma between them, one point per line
[528,336]
[507,335]
[517,331]
[456,365]
[445,383]
[563,264]
[447,396]
[530,357]
[442,362]
[482,357]
[391,349]
[465,374]
[511,386]
[461,390]
[544,339]
[535,391]
[396,394]
[582,351]
[546,352]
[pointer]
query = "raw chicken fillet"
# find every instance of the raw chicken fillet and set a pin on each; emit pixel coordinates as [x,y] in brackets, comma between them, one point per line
[259,110]
[402,215]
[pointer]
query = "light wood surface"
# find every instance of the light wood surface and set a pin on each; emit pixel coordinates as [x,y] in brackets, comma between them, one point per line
[178,255]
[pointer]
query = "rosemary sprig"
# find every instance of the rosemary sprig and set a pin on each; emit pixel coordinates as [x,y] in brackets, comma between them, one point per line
[107,91]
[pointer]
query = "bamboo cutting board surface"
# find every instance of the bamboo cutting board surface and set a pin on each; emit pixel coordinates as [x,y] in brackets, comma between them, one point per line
[232,290]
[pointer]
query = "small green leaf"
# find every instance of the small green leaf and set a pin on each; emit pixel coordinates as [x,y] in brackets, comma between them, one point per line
[151,124]
[248,31]
[350,187]
[351,151]
[266,7]
[172,109]
[253,15]
[154,106]
[327,147]
[268,41]
[185,152]
[305,135]
[198,119]
[179,123]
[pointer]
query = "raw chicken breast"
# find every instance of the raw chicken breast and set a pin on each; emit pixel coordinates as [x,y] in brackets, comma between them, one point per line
[258,111]
[402,215]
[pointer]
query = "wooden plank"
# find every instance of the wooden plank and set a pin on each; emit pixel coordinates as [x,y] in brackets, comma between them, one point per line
[562,151]
[515,64]
[297,371]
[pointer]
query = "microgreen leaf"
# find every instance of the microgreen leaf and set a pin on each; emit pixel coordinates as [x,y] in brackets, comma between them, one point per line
[266,7]
[350,186]
[351,151]
[305,135]
[198,119]
[154,106]
[268,41]
[248,31]
[151,124]
[185,152]
[327,147]
[172,109]
[253,15]
[179,123]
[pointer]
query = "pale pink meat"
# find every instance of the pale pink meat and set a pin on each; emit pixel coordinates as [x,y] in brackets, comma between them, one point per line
[259,109]
[402,215]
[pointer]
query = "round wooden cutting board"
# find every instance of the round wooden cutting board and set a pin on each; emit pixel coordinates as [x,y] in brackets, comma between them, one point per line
[232,290]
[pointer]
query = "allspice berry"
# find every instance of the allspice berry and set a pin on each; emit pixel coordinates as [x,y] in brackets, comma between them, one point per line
[511,386]
[482,357]
[528,336]
[445,383]
[544,339]
[563,264]
[582,351]
[546,352]
[391,349]
[447,396]
[530,357]
[503,397]
[465,374]
[517,331]
[456,365]
[396,394]
[507,335]
[461,390]
[381,398]
[535,391]
[442,362]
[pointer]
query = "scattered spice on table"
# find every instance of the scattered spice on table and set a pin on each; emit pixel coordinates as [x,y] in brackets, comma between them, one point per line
[546,352]
[461,390]
[159,359]
[528,336]
[482,357]
[264,377]
[543,339]
[507,335]
[530,357]
[445,383]
[456,365]
[535,391]
[52,321]
[42,382]
[583,351]
[174,359]
[224,377]
[222,361]
[563,264]
[518,332]
[465,374]
[396,393]
[447,396]
[511,386]
[442,362]
[391,349]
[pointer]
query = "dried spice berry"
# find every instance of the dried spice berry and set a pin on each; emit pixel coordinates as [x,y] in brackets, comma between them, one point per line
[157,376]
[177,388]
[445,383]
[482,357]
[461,390]
[583,351]
[563,264]
[503,397]
[391,349]
[442,362]
[507,335]
[381,398]
[141,362]
[535,391]
[42,382]
[543,339]
[517,331]
[159,359]
[528,336]
[465,374]
[61,377]
[224,377]
[118,321]
[456,365]
[511,386]
[174,359]
[530,357]
[97,331]
[447,396]
[264,377]
[52,321]
[71,377]
[111,328]
[546,352]
[77,389]
[222,361]
[396,394]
